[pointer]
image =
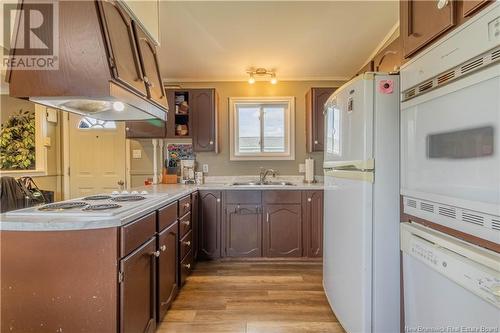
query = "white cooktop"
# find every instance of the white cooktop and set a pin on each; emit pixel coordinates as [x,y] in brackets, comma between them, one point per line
[101,205]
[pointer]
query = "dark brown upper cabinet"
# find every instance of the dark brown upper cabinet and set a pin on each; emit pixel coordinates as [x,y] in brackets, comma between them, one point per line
[204,120]
[123,57]
[283,230]
[210,224]
[138,290]
[424,21]
[149,66]
[469,7]
[168,284]
[315,102]
[312,208]
[243,230]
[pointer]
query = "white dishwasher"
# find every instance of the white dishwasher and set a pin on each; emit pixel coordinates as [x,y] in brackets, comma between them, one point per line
[449,285]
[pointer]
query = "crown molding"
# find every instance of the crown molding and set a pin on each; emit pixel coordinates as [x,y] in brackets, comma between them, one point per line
[239,79]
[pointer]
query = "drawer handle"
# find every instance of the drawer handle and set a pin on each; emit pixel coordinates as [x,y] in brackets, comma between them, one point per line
[163,248]
[156,254]
[188,266]
[186,222]
[187,243]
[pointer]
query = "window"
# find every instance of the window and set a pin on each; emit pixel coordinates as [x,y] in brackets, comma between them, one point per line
[91,123]
[262,128]
[22,150]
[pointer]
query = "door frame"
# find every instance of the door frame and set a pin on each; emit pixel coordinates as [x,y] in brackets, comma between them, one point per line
[66,179]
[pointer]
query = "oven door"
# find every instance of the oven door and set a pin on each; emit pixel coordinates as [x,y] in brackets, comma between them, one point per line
[450,151]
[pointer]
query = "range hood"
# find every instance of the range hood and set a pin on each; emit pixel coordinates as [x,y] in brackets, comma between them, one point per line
[104,65]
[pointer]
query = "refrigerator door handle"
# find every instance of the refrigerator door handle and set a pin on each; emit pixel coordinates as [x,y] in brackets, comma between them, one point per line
[360,165]
[368,176]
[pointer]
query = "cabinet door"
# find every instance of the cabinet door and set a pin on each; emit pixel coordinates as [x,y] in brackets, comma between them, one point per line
[124,59]
[316,100]
[203,113]
[168,285]
[243,231]
[150,66]
[283,230]
[469,7]
[137,290]
[194,221]
[145,129]
[210,224]
[424,21]
[313,222]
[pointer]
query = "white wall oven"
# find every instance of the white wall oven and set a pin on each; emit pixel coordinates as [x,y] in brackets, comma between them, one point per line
[450,130]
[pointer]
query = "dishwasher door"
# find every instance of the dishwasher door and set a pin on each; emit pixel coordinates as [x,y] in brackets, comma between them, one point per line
[449,285]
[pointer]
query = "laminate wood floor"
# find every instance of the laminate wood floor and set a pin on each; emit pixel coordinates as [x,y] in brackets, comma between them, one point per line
[252,297]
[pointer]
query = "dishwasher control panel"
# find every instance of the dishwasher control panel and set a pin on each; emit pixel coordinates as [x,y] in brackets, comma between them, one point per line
[479,279]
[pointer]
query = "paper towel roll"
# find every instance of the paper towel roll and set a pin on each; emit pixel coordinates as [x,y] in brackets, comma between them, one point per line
[309,176]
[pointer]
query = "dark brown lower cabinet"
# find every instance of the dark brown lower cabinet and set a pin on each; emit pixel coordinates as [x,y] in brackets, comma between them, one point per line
[138,290]
[168,284]
[312,206]
[243,231]
[194,222]
[210,224]
[283,230]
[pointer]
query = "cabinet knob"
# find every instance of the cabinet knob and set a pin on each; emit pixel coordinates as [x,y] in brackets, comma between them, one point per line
[156,254]
[442,3]
[187,205]
[218,200]
[315,142]
[127,128]
[163,248]
[211,142]
[309,199]
[187,243]
[186,222]
[188,266]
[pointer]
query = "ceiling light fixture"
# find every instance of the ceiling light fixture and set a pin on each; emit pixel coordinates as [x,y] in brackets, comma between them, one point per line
[261,73]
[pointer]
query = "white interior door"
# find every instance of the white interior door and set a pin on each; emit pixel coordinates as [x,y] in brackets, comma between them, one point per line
[97,158]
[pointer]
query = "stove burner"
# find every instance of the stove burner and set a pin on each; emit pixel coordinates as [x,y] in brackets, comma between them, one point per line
[102,207]
[128,198]
[97,197]
[63,205]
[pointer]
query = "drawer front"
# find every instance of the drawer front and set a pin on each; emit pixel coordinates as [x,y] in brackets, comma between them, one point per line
[167,215]
[184,205]
[243,197]
[282,197]
[137,232]
[186,267]
[186,244]
[184,225]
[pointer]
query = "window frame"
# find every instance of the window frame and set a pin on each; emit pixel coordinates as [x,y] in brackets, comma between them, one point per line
[289,137]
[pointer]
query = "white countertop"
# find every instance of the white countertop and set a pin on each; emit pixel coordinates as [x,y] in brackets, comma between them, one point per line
[165,194]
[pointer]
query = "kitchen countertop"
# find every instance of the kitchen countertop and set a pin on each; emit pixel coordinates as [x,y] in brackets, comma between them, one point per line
[165,194]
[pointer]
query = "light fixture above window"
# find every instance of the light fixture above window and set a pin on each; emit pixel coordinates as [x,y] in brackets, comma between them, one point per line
[262,73]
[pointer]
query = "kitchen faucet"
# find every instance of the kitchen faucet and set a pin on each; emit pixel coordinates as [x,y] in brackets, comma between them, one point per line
[264,172]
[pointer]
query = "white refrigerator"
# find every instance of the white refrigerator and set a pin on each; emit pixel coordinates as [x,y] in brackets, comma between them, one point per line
[361,260]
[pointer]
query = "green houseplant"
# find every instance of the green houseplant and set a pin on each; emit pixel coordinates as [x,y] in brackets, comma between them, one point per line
[17,142]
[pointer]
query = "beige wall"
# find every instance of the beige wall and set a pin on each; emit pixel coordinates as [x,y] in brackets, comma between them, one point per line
[219,164]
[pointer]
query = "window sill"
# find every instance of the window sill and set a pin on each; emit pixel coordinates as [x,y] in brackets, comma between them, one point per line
[262,158]
[23,173]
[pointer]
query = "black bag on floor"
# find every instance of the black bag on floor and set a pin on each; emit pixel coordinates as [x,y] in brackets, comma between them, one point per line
[33,194]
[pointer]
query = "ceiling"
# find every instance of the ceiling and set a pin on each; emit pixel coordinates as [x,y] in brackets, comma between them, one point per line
[301,40]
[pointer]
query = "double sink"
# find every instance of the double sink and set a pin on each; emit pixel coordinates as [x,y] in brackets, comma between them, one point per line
[259,183]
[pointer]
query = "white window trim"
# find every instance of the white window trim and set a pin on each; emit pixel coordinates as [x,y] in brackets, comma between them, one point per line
[289,124]
[40,148]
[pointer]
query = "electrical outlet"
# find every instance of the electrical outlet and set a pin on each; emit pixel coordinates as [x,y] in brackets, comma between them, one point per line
[302,167]
[494,29]
[205,168]
[136,153]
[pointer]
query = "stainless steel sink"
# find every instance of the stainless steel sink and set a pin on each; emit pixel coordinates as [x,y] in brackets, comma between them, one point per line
[258,183]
